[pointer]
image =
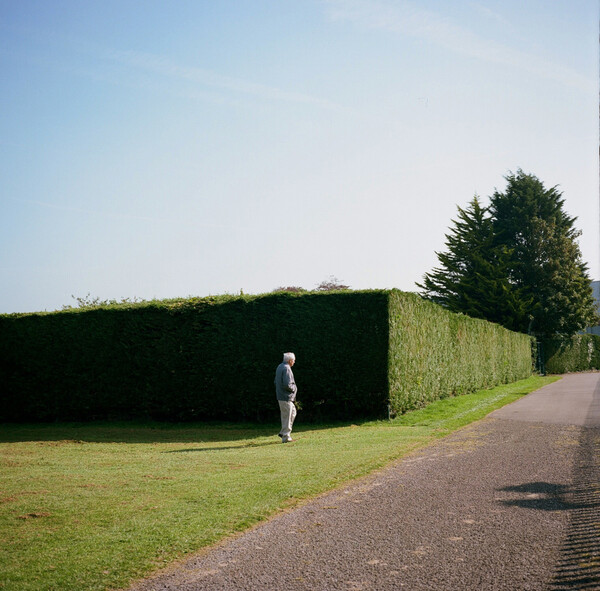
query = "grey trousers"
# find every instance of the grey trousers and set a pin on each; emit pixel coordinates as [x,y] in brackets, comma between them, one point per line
[288,414]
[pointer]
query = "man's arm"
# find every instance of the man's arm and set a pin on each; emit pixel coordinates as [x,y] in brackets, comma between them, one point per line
[288,380]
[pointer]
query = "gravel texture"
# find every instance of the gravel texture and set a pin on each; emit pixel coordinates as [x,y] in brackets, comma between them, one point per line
[503,504]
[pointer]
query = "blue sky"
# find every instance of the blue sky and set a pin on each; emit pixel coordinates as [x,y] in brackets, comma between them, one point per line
[158,149]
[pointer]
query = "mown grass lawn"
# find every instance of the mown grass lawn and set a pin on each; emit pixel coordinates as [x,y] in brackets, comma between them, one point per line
[94,506]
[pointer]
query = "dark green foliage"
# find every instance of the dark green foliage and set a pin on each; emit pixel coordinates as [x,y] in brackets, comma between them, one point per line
[546,262]
[474,274]
[215,358]
[580,353]
[435,354]
[516,263]
[196,359]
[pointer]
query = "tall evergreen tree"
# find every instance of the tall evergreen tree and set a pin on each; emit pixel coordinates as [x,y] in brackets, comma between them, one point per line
[473,276]
[516,262]
[546,262]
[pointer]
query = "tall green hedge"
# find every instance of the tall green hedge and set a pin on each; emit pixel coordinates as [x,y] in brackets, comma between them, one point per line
[208,358]
[435,353]
[215,358]
[580,353]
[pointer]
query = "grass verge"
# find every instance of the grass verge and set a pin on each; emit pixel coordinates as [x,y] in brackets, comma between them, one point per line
[93,506]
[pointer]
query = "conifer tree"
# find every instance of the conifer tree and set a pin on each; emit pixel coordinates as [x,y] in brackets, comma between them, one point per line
[546,262]
[473,276]
[516,262]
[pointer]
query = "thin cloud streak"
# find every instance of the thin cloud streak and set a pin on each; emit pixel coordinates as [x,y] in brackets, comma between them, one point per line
[126,216]
[213,87]
[488,13]
[408,19]
[161,65]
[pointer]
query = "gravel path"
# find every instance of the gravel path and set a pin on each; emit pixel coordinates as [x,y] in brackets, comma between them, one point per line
[509,503]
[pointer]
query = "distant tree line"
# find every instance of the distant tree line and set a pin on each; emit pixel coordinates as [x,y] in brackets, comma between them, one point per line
[330,284]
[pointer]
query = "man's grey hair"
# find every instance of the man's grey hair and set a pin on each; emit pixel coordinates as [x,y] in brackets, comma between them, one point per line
[288,356]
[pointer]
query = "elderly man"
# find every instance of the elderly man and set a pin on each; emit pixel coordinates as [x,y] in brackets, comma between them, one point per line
[285,388]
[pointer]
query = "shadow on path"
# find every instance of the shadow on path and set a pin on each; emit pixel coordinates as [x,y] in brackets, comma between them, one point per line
[543,496]
[579,563]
